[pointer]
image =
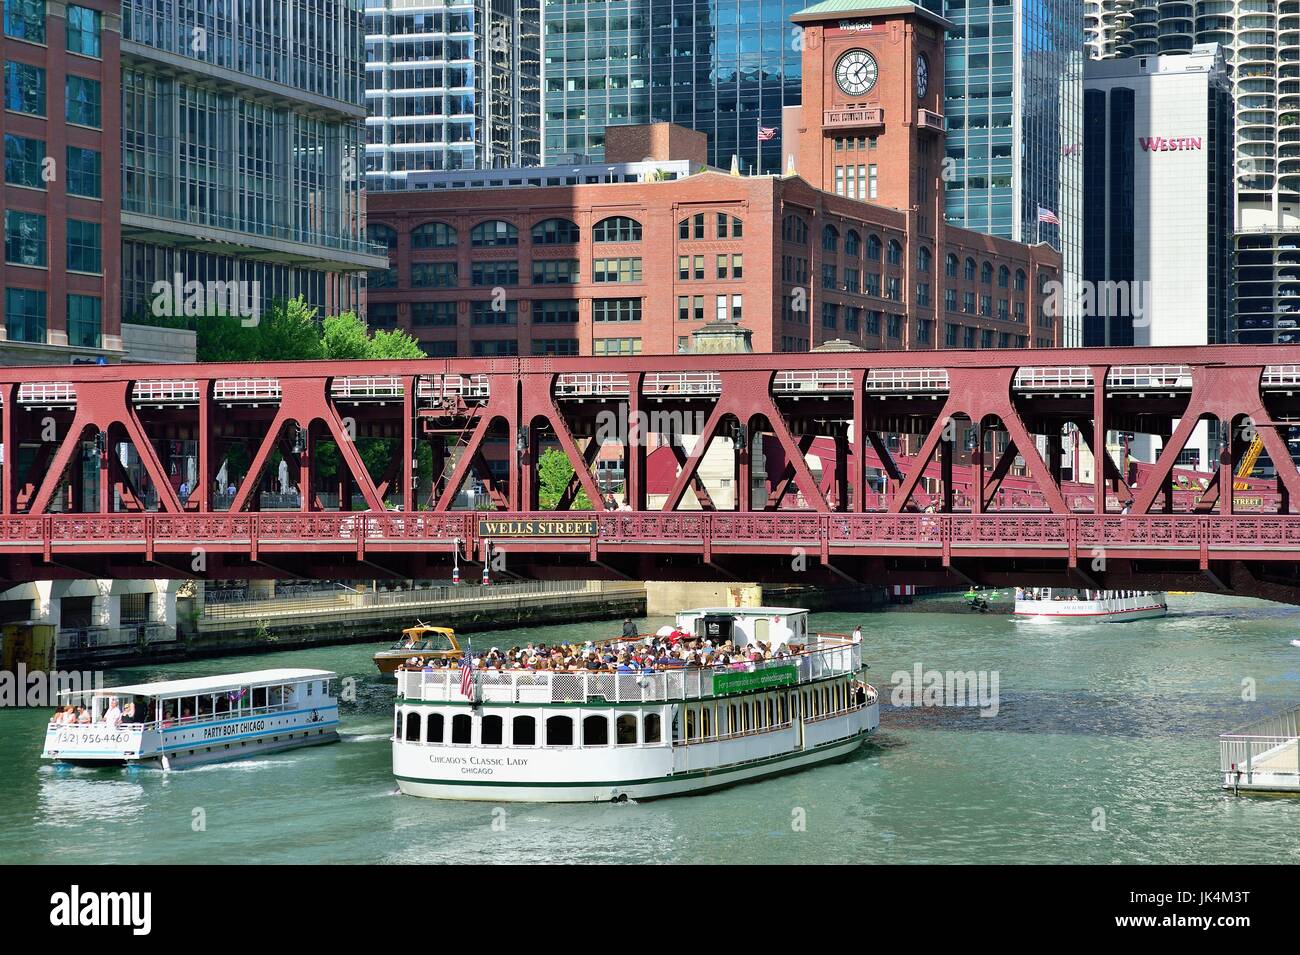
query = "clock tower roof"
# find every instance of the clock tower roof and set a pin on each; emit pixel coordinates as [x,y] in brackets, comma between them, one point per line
[828,9]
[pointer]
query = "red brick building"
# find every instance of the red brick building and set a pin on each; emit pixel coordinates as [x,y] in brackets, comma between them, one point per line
[62,136]
[851,246]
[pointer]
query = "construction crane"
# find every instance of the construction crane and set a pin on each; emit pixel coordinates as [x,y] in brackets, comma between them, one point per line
[1248,462]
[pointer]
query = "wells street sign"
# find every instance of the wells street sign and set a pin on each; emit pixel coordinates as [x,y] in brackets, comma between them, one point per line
[538,528]
[765,679]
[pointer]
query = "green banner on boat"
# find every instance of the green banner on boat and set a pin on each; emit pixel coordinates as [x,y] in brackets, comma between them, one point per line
[742,682]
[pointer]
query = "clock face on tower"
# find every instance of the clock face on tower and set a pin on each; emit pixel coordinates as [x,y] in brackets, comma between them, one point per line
[922,75]
[856,72]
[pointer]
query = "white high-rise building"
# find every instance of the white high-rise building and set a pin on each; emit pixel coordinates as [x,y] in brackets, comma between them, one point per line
[451,84]
[1103,23]
[1261,44]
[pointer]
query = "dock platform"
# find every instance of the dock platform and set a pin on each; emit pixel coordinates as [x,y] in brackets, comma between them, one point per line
[1263,757]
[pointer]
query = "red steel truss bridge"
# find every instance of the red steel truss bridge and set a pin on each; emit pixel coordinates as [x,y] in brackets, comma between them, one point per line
[870,466]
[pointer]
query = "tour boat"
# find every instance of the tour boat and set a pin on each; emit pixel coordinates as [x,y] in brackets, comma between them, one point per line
[179,723]
[421,640]
[524,735]
[1090,606]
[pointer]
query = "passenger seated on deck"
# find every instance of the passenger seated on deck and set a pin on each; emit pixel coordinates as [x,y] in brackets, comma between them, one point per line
[113,715]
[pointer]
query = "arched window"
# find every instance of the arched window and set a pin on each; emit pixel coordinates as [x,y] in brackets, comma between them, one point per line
[692,227]
[523,731]
[830,239]
[1020,280]
[950,266]
[923,259]
[895,252]
[625,729]
[873,247]
[970,270]
[433,235]
[433,728]
[595,731]
[382,235]
[461,727]
[986,273]
[412,727]
[616,229]
[555,232]
[559,731]
[490,733]
[493,233]
[729,227]
[852,244]
[1004,276]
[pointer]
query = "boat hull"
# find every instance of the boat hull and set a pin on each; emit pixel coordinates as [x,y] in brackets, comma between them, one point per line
[1117,616]
[241,749]
[613,774]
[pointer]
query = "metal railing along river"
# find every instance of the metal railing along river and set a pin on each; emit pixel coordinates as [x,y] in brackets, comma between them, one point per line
[1270,746]
[451,595]
[837,657]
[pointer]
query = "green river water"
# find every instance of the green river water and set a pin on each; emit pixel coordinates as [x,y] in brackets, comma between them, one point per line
[1103,749]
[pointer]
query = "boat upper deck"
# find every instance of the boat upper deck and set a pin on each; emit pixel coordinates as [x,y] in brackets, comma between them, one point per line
[823,656]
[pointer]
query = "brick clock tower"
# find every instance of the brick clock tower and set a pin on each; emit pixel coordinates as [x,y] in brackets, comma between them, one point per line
[871,123]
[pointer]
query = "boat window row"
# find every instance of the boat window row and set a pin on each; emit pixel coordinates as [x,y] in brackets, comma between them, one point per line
[706,720]
[491,729]
[181,709]
[720,718]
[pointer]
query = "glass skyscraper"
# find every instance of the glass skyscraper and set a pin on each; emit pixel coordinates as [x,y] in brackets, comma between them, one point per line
[723,67]
[245,125]
[451,84]
[1013,98]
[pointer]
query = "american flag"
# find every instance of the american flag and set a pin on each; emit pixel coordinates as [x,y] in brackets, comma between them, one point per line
[1048,216]
[766,133]
[466,675]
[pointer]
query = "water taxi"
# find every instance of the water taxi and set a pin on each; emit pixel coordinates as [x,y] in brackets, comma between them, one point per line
[663,718]
[179,723]
[1090,606]
[421,640]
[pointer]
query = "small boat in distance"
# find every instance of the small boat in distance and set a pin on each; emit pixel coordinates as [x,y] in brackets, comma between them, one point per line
[179,723]
[729,695]
[421,640]
[1089,606]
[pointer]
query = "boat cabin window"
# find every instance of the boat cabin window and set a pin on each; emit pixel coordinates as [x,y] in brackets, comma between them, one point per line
[761,626]
[653,729]
[434,728]
[413,727]
[259,697]
[559,731]
[595,731]
[625,729]
[524,731]
[492,730]
[461,727]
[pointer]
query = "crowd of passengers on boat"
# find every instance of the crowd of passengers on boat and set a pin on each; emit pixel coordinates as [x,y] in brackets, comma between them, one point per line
[169,713]
[631,654]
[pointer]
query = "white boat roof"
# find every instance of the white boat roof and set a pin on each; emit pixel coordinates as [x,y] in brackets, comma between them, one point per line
[746,611]
[210,684]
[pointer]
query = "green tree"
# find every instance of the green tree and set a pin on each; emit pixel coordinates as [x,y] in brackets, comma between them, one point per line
[345,337]
[289,331]
[554,471]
